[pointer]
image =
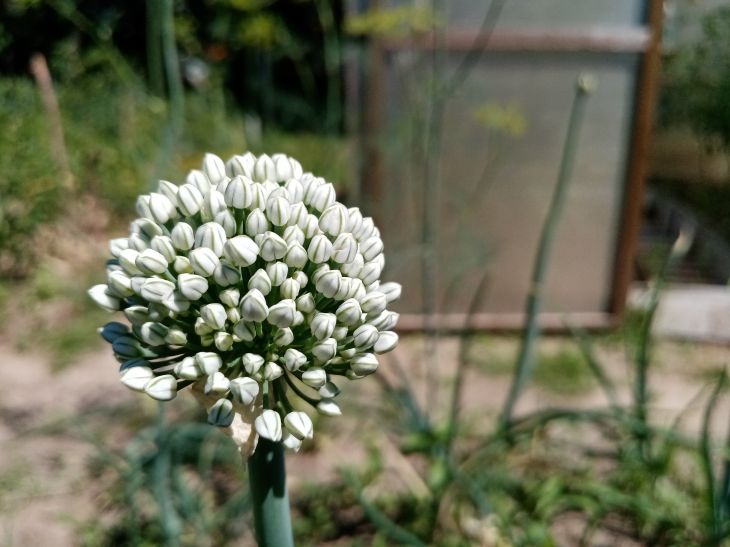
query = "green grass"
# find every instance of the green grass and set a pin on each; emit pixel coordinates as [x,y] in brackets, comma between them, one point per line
[563,372]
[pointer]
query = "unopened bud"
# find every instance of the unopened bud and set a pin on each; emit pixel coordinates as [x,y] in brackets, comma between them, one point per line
[162,388]
[244,390]
[221,414]
[268,425]
[253,306]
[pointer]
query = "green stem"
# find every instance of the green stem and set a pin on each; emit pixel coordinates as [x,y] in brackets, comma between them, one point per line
[525,361]
[269,497]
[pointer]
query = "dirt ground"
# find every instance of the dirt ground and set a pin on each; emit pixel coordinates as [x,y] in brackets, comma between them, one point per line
[47,419]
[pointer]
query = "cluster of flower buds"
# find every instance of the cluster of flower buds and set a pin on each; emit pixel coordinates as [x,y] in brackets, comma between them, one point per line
[251,281]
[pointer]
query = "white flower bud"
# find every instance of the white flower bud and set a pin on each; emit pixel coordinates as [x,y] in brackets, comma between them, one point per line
[260,280]
[226,275]
[208,362]
[294,359]
[299,424]
[145,228]
[241,165]
[367,229]
[289,289]
[327,407]
[214,315]
[305,303]
[117,245]
[391,290]
[349,312]
[221,414]
[168,189]
[284,337]
[322,325]
[320,249]
[282,167]
[176,337]
[187,369]
[365,336]
[137,377]
[291,442]
[253,306]
[344,291]
[277,210]
[211,235]
[162,388]
[198,179]
[268,425]
[296,255]
[386,320]
[371,248]
[159,310]
[227,222]
[142,206]
[204,261]
[230,297]
[234,316]
[189,199]
[298,215]
[182,236]
[128,261]
[151,262]
[354,220]
[314,377]
[264,169]
[214,168]
[301,278]
[244,390]
[213,203]
[387,341]
[273,247]
[177,303]
[340,333]
[325,350]
[202,328]
[161,208]
[344,249]
[295,189]
[153,334]
[272,371]
[256,223]
[223,341]
[323,197]
[370,273]
[277,272]
[192,286]
[357,289]
[363,364]
[241,250]
[333,220]
[136,283]
[239,193]
[310,227]
[245,331]
[119,284]
[163,245]
[252,363]
[137,315]
[373,302]
[216,383]
[157,290]
[282,313]
[329,283]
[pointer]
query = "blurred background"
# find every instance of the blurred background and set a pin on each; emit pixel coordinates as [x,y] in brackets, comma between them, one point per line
[583,402]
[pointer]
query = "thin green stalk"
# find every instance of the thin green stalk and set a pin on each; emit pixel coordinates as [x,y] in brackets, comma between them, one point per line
[153,46]
[531,332]
[267,478]
[332,63]
[169,520]
[713,502]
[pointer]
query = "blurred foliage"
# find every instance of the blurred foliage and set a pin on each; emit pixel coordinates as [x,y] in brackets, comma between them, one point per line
[269,55]
[698,81]
[393,21]
[508,119]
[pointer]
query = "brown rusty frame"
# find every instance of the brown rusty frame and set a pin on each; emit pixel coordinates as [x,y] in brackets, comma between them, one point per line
[645,41]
